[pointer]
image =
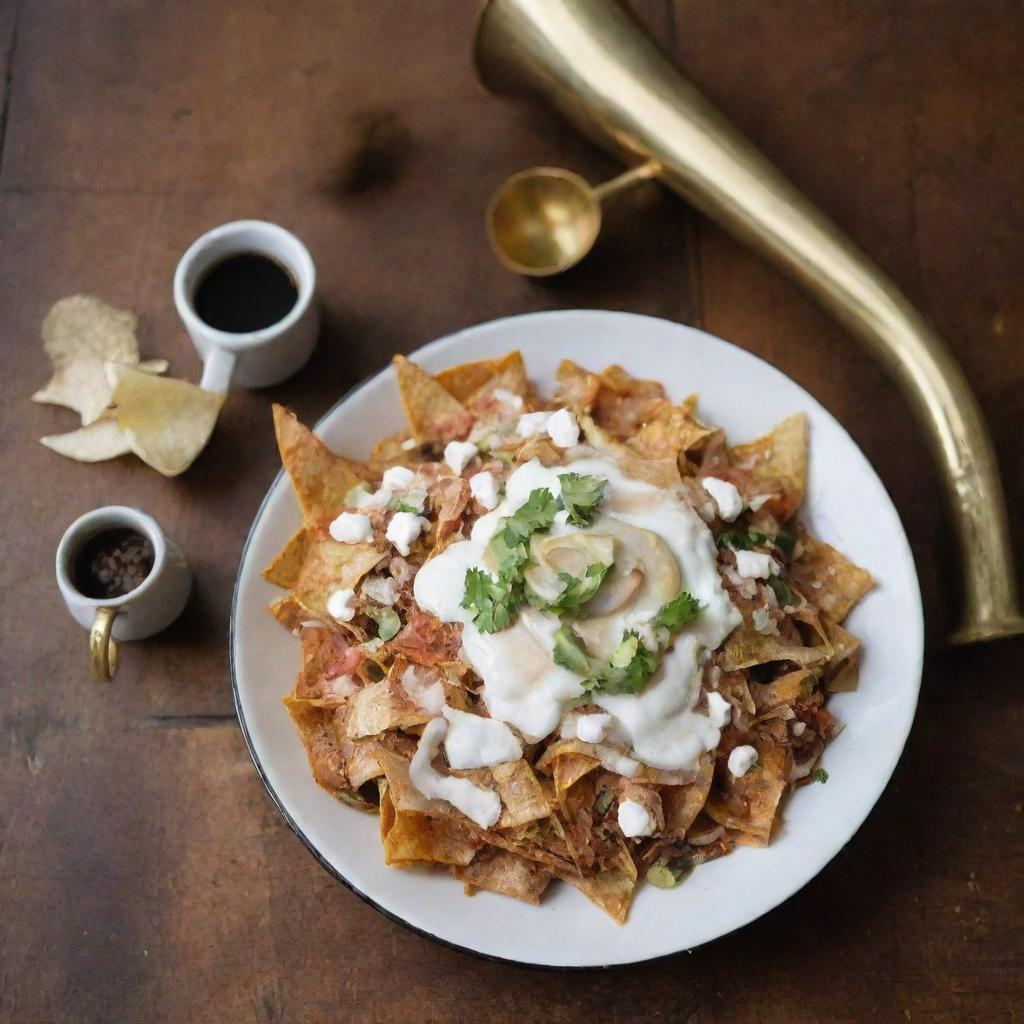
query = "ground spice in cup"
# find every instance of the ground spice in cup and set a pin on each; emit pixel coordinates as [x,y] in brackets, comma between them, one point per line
[112,564]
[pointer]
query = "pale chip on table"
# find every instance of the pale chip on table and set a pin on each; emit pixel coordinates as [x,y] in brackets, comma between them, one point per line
[360,702]
[99,441]
[167,422]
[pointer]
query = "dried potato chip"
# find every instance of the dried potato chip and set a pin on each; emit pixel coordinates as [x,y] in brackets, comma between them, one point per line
[97,442]
[167,422]
[432,413]
[320,478]
[84,323]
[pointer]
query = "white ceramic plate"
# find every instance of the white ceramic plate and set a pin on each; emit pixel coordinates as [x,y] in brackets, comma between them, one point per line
[846,506]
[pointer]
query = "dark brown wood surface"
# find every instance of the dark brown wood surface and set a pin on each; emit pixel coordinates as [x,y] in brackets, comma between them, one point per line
[144,874]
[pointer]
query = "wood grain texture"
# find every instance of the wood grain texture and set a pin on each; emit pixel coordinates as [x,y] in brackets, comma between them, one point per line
[144,874]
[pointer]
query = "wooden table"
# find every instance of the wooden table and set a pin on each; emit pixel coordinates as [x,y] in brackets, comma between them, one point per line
[144,874]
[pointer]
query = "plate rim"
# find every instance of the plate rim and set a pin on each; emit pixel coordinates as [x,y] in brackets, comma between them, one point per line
[918,625]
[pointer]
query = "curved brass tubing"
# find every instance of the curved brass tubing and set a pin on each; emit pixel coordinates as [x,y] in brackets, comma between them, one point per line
[594,64]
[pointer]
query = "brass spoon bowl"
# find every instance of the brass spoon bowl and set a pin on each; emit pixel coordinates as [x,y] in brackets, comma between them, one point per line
[544,220]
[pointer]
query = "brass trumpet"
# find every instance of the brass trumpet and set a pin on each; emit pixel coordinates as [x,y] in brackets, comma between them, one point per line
[594,64]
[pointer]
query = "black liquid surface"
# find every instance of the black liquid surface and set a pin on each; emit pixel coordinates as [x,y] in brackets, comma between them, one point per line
[112,564]
[245,292]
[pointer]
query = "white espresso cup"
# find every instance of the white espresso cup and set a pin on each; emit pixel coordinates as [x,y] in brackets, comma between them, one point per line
[153,605]
[255,359]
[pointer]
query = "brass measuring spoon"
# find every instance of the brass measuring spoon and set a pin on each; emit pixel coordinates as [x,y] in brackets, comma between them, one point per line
[544,220]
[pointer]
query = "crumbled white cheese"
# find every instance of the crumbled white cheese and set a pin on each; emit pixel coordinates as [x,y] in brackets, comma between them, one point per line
[756,565]
[477,742]
[341,605]
[409,444]
[763,622]
[484,488]
[343,686]
[458,454]
[403,529]
[799,728]
[531,423]
[563,429]
[634,819]
[726,497]
[719,710]
[593,728]
[351,528]
[508,397]
[424,689]
[397,478]
[741,760]
[381,589]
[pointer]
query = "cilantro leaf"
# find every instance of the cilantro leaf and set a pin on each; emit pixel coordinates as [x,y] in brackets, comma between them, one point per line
[576,592]
[742,540]
[397,505]
[819,775]
[683,608]
[536,513]
[782,593]
[581,496]
[493,601]
[569,653]
[785,542]
[629,667]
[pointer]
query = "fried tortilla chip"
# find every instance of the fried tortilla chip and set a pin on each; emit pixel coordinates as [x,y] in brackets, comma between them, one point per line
[611,890]
[167,422]
[320,478]
[748,804]
[432,413]
[829,580]
[674,431]
[465,379]
[97,442]
[682,804]
[522,797]
[314,725]
[788,689]
[509,375]
[506,873]
[777,463]
[382,706]
[329,661]
[286,567]
[577,388]
[408,836]
[624,404]
[330,566]
[841,673]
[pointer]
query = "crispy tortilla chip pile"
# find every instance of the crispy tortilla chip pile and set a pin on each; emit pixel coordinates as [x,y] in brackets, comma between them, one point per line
[368,686]
[125,406]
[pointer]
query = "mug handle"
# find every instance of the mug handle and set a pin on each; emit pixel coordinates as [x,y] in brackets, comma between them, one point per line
[218,368]
[103,654]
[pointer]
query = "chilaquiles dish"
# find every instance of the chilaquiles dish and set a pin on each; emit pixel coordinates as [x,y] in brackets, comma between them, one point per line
[584,640]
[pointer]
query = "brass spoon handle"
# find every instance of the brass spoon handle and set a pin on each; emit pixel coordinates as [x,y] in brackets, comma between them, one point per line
[626,180]
[103,654]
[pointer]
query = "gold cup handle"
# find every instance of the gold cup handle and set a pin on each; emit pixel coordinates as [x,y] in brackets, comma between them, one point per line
[103,654]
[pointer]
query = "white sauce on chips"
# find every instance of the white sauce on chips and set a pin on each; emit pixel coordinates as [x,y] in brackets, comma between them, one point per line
[477,742]
[482,806]
[522,684]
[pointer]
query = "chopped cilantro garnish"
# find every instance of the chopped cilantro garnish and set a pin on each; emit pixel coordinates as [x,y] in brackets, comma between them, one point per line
[397,505]
[785,542]
[493,601]
[568,652]
[742,540]
[628,669]
[388,622]
[581,496]
[536,513]
[575,592]
[782,593]
[683,608]
[819,775]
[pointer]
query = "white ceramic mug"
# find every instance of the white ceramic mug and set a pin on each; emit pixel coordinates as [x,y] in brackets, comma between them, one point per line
[154,604]
[256,359]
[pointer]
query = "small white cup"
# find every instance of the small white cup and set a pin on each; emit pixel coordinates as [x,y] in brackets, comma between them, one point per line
[256,359]
[153,605]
